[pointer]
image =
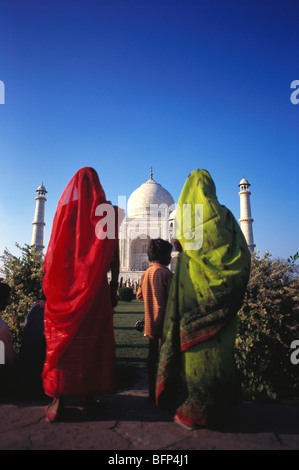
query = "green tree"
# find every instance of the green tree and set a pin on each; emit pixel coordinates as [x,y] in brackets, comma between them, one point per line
[24,274]
[268,323]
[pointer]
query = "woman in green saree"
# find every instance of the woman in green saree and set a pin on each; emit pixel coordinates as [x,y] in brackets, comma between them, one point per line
[196,374]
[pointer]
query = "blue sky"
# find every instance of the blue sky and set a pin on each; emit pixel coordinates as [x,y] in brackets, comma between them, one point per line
[174,84]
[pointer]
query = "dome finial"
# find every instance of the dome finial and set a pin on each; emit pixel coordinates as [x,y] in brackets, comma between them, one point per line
[151,173]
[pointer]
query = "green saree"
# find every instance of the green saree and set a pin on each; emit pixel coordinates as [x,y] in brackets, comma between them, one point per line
[196,374]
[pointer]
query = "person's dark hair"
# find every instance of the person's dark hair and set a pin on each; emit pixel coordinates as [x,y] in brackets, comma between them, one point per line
[4,295]
[159,250]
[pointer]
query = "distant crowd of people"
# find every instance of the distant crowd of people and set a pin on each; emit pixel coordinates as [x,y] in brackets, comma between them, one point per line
[68,347]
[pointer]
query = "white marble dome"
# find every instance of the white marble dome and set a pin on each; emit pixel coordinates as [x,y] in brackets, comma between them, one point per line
[148,193]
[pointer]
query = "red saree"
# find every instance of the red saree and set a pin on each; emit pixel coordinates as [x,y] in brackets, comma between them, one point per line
[80,358]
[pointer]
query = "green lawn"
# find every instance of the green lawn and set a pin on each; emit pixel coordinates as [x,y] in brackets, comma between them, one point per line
[131,345]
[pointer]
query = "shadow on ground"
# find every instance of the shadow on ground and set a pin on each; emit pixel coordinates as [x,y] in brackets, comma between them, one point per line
[130,403]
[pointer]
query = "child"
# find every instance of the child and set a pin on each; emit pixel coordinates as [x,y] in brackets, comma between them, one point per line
[153,290]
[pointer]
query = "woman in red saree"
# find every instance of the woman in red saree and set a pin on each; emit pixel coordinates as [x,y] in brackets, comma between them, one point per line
[83,247]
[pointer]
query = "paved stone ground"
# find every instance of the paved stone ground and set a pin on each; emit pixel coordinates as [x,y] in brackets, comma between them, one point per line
[127,422]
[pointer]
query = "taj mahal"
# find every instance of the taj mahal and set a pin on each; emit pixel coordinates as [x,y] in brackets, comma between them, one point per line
[150,214]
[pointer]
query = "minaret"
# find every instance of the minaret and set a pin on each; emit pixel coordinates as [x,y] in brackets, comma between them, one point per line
[39,219]
[245,213]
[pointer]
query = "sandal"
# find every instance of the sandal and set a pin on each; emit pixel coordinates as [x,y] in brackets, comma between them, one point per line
[53,411]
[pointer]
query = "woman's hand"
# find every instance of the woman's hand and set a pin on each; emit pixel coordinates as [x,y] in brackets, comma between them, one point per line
[114,297]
